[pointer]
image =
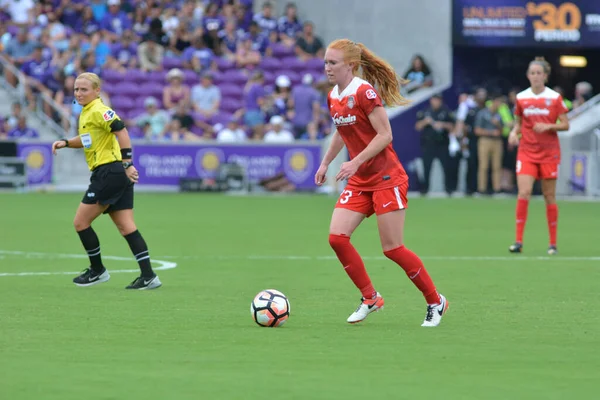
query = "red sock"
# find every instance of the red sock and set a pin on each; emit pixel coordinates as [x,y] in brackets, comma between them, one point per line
[353,264]
[552,217]
[522,205]
[415,270]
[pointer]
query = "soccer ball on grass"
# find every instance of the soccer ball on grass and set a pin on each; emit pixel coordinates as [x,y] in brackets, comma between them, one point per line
[270,308]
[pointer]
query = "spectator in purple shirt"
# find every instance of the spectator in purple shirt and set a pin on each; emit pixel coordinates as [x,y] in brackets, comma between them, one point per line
[70,11]
[115,22]
[265,19]
[22,131]
[87,24]
[260,41]
[289,25]
[211,19]
[35,69]
[123,54]
[198,57]
[254,100]
[305,100]
[230,36]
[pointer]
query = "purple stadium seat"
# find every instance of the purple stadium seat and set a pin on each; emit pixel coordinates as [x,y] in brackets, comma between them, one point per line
[234,76]
[231,90]
[231,105]
[135,132]
[224,64]
[124,88]
[157,76]
[217,77]
[136,112]
[315,64]
[281,50]
[270,64]
[136,76]
[109,87]
[293,63]
[112,76]
[122,104]
[150,89]
[221,118]
[172,62]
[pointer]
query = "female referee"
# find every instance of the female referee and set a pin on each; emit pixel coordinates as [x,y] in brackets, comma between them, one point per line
[107,149]
[540,112]
[377,182]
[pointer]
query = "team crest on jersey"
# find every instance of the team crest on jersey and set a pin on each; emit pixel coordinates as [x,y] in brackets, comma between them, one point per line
[548,102]
[371,94]
[108,115]
[350,103]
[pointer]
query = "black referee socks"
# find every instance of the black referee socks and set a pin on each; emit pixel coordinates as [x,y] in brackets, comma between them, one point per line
[91,244]
[138,247]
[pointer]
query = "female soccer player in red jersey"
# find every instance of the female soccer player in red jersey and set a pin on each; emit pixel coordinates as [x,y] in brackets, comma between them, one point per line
[540,112]
[377,182]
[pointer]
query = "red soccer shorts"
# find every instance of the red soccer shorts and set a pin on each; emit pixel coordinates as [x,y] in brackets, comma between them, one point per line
[374,202]
[537,170]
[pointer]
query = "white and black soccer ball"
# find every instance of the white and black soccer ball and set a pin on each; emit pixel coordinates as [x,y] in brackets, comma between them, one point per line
[270,308]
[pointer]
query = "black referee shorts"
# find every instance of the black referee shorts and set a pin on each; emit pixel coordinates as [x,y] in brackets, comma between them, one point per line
[110,185]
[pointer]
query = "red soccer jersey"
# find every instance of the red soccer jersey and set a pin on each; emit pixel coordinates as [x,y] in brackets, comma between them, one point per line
[350,113]
[545,107]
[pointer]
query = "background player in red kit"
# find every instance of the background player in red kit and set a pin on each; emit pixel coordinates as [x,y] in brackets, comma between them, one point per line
[540,112]
[377,181]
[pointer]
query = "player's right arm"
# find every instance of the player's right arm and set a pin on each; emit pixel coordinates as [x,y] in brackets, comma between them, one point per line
[513,136]
[515,133]
[74,143]
[335,146]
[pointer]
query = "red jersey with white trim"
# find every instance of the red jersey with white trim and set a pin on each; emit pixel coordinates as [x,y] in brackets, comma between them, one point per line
[350,113]
[545,107]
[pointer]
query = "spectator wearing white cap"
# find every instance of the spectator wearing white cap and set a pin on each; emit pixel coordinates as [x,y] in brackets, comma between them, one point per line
[176,92]
[278,134]
[154,121]
[232,133]
[281,97]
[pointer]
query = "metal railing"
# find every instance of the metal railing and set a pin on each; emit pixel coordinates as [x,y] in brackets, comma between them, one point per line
[44,102]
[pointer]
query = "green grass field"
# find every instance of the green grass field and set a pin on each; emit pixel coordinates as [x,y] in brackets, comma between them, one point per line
[519,326]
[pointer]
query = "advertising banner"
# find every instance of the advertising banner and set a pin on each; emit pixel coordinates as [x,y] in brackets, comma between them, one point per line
[522,23]
[578,172]
[167,164]
[38,160]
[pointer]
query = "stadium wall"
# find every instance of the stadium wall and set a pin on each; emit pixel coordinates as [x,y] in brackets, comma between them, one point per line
[389,29]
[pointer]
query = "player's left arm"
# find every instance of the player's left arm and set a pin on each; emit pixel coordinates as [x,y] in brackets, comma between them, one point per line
[381,124]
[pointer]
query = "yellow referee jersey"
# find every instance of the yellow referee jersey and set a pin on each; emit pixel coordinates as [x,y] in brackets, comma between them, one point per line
[97,123]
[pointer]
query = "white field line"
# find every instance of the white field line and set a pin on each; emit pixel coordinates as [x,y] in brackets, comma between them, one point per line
[516,257]
[36,255]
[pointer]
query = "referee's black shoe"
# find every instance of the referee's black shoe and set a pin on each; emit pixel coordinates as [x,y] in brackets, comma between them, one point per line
[143,283]
[89,277]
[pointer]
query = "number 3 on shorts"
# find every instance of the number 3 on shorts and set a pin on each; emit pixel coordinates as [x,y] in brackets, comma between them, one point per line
[345,196]
[519,165]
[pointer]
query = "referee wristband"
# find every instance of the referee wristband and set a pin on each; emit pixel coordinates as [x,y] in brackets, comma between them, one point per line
[126,153]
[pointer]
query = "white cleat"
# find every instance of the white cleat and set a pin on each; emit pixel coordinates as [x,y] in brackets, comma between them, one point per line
[435,313]
[552,251]
[366,307]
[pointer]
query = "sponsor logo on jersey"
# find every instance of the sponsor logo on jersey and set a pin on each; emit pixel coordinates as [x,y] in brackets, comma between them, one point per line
[341,120]
[108,115]
[371,94]
[536,111]
[350,102]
